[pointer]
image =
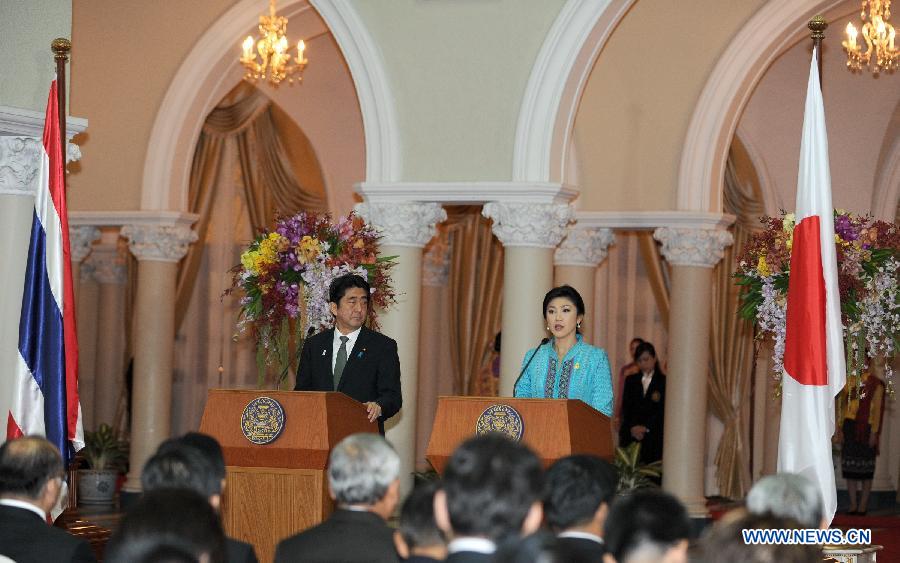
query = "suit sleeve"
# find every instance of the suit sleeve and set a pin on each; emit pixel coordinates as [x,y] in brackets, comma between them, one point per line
[655,423]
[388,382]
[83,553]
[304,370]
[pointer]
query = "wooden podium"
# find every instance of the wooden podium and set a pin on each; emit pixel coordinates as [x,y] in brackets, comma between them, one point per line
[278,489]
[553,428]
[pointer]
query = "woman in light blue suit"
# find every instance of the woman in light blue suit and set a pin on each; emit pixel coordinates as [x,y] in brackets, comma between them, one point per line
[566,367]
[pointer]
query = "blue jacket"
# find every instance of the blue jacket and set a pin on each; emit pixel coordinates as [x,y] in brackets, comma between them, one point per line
[583,374]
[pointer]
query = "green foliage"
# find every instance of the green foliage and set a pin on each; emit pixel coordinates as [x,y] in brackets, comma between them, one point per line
[632,473]
[103,449]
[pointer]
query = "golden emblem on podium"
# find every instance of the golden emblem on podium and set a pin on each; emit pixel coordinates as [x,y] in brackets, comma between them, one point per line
[503,419]
[262,420]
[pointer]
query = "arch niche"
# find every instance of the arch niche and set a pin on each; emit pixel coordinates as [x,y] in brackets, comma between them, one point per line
[211,69]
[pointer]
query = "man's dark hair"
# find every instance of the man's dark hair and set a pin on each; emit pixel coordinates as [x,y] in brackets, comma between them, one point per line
[645,519]
[26,464]
[725,541]
[339,287]
[168,521]
[209,448]
[491,483]
[417,525]
[176,465]
[574,488]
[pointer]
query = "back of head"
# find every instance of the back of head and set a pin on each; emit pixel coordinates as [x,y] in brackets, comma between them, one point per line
[209,448]
[361,468]
[540,547]
[417,525]
[168,522]
[490,484]
[574,488]
[725,541]
[176,465]
[787,495]
[26,465]
[644,525]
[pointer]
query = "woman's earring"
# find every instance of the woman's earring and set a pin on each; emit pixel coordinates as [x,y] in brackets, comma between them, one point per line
[577,325]
[548,327]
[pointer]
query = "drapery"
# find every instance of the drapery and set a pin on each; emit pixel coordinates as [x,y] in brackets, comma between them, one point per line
[244,118]
[656,273]
[476,282]
[731,341]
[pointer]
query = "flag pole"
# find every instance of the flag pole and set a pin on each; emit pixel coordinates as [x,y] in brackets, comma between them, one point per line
[817,27]
[61,48]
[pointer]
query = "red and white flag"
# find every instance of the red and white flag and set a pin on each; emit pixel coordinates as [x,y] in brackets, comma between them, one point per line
[814,362]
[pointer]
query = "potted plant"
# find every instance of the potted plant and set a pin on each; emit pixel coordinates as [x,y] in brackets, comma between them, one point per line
[106,456]
[632,473]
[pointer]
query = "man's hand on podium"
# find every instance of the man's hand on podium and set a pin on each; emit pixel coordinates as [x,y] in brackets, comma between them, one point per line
[373,410]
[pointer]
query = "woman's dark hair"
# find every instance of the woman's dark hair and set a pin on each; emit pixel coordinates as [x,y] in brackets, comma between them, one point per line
[647,347]
[566,291]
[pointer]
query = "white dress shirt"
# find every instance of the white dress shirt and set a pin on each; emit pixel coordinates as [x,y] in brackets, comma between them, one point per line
[645,381]
[477,545]
[581,535]
[336,344]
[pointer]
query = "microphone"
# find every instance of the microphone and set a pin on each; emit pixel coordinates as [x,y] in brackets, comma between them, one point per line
[528,363]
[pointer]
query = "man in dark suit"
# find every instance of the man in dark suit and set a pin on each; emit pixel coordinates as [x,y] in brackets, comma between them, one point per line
[194,461]
[643,405]
[363,480]
[418,538]
[647,525]
[577,492]
[31,476]
[491,493]
[350,358]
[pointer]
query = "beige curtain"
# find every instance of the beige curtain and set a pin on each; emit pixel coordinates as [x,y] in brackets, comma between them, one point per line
[731,342]
[244,117]
[476,283]
[657,274]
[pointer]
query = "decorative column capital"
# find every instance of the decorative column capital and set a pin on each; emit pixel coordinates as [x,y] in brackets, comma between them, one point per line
[436,263]
[159,243]
[20,165]
[584,246]
[80,240]
[403,224]
[693,247]
[541,225]
[108,265]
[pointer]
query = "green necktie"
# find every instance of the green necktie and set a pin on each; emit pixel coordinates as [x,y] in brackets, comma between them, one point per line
[340,361]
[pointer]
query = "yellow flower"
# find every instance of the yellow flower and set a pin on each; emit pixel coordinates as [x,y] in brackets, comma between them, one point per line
[308,249]
[787,223]
[762,267]
[248,261]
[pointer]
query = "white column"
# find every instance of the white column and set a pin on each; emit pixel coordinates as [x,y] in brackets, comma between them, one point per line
[692,254]
[158,249]
[435,276]
[81,238]
[109,373]
[576,261]
[406,228]
[529,232]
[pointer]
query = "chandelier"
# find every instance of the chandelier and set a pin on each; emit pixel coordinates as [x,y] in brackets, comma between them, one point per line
[878,34]
[274,64]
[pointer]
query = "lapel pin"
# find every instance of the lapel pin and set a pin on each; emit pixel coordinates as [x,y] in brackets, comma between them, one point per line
[323,352]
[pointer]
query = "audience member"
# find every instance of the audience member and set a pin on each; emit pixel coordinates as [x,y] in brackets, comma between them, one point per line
[577,492]
[363,479]
[647,526]
[725,541]
[539,547]
[491,492]
[31,478]
[790,496]
[168,525]
[419,540]
[194,461]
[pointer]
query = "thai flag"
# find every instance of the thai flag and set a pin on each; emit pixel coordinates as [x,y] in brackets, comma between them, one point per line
[45,378]
[814,347]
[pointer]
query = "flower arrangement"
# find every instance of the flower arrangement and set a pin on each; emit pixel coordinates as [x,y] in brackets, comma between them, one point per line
[284,277]
[868,259]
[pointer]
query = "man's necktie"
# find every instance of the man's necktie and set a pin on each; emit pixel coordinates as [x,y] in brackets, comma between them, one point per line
[340,361]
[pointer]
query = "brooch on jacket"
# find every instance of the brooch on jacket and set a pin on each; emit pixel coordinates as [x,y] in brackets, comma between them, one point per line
[360,355]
